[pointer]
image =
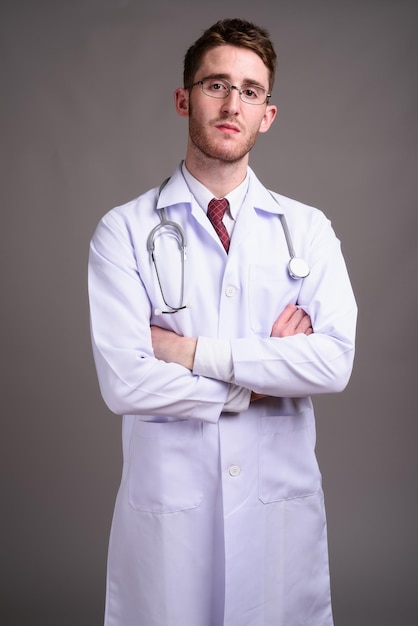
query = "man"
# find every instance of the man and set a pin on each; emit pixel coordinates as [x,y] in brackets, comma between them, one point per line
[212,357]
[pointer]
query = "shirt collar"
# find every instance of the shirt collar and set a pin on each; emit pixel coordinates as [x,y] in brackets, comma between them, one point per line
[203,196]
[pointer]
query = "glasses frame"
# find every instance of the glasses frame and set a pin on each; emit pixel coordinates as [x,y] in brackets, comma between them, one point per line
[228,92]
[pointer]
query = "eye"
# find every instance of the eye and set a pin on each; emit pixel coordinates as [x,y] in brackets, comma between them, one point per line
[252,92]
[214,84]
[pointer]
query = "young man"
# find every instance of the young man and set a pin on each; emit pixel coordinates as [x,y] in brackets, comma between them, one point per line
[212,357]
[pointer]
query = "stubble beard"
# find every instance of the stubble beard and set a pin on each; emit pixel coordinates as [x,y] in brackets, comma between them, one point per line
[224,151]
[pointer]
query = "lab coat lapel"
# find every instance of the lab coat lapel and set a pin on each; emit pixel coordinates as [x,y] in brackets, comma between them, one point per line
[258,199]
[176,192]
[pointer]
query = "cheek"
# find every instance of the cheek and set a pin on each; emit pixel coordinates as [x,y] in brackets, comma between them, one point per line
[202,119]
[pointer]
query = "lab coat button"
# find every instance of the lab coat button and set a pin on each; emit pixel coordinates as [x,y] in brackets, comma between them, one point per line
[234,470]
[230,291]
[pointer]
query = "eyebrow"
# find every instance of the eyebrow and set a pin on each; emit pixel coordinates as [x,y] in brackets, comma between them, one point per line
[246,81]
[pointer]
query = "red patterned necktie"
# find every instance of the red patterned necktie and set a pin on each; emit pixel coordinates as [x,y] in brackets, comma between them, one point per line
[216,210]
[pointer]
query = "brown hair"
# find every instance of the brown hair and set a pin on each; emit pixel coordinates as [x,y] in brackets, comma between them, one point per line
[234,32]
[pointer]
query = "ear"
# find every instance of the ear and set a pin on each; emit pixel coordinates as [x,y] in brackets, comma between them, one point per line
[181,100]
[268,118]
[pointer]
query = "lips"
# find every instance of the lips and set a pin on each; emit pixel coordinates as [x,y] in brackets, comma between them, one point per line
[227,128]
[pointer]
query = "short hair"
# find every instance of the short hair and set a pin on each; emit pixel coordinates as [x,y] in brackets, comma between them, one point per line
[235,32]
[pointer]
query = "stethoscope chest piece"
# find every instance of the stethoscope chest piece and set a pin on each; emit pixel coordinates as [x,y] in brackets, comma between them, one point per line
[298,268]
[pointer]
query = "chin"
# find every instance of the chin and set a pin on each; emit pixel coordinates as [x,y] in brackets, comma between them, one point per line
[224,151]
[228,153]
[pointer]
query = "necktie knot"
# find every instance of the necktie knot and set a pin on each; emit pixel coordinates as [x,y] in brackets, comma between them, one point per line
[216,211]
[217,208]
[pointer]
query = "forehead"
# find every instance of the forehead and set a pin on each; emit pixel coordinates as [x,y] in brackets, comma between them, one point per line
[234,63]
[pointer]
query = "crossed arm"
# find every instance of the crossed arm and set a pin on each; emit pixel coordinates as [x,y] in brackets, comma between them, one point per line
[173,348]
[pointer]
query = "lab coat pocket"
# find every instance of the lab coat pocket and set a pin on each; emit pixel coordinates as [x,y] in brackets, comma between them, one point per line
[165,469]
[287,463]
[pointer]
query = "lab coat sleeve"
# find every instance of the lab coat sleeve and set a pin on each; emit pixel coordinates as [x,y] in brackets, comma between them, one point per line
[319,363]
[214,359]
[132,381]
[300,365]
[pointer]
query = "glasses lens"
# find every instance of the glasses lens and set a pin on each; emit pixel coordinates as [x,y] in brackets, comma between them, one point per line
[253,94]
[215,87]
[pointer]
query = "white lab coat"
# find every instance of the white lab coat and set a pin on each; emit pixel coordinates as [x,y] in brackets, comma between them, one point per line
[219,519]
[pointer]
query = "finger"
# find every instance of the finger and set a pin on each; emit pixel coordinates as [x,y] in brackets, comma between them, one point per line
[288,311]
[295,323]
[283,319]
[298,322]
[303,324]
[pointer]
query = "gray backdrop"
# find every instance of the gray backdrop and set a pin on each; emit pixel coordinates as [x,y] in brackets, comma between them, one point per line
[88,122]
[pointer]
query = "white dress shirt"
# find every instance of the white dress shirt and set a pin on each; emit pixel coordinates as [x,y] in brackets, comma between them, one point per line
[213,357]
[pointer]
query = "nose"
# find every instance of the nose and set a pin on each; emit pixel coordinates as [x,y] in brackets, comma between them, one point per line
[231,103]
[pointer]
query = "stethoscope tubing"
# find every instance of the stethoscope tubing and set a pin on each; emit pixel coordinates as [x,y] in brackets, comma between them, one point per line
[297,267]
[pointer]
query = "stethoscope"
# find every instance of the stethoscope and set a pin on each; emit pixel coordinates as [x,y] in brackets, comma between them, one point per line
[297,267]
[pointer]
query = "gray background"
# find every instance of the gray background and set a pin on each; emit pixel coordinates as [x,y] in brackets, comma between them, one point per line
[88,122]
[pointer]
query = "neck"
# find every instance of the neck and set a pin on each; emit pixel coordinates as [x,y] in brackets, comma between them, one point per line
[219,177]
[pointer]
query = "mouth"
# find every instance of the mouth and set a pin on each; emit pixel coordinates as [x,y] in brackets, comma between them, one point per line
[230,129]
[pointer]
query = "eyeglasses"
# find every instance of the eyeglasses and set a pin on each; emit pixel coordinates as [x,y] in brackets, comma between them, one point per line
[221,88]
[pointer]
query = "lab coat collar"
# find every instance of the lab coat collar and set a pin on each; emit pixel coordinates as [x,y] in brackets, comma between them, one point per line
[177,192]
[261,198]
